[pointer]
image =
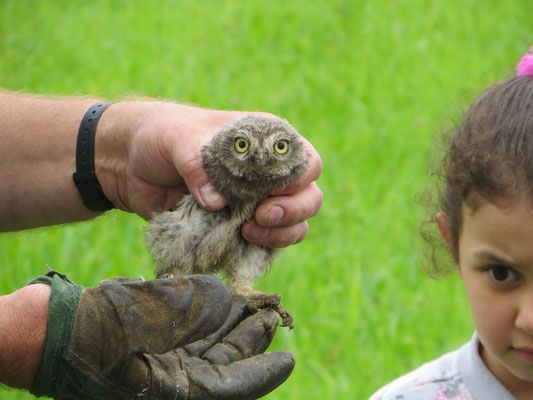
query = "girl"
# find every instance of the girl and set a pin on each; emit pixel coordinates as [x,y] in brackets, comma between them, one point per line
[486,220]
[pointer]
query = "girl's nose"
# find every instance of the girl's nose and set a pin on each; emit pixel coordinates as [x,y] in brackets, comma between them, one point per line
[524,319]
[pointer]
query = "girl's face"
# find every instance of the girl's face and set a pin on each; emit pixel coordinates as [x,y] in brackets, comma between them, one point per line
[496,264]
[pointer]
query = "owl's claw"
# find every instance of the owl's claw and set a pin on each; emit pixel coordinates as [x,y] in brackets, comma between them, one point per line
[272,301]
[286,318]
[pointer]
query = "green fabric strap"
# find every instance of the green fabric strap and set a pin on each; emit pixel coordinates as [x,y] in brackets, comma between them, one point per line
[56,377]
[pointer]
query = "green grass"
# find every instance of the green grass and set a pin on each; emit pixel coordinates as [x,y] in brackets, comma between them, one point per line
[368,82]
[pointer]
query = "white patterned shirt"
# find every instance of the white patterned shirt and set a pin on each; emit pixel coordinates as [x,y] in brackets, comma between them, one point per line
[459,375]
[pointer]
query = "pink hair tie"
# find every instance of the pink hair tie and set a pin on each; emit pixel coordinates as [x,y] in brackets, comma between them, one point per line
[525,66]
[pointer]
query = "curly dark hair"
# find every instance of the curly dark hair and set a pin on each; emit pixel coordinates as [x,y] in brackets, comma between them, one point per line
[488,157]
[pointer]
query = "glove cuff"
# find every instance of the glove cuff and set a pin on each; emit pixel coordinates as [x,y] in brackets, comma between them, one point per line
[62,306]
[56,378]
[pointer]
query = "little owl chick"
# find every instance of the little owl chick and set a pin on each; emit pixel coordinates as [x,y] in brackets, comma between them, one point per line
[246,161]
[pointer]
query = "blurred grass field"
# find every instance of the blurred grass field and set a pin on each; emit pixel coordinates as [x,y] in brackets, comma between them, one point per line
[370,83]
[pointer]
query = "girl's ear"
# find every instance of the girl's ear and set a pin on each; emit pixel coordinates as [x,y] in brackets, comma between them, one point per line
[443,222]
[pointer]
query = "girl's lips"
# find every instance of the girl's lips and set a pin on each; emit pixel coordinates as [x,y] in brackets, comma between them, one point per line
[524,352]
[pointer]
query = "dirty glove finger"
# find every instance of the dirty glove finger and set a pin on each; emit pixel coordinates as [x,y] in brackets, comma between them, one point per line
[239,311]
[250,337]
[245,380]
[195,379]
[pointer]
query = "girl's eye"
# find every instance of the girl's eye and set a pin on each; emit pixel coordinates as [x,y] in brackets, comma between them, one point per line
[281,146]
[241,145]
[502,274]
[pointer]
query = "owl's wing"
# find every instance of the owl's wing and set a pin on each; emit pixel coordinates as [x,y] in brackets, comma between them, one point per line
[170,239]
[191,239]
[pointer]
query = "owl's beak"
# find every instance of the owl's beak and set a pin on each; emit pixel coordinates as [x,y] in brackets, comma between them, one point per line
[260,156]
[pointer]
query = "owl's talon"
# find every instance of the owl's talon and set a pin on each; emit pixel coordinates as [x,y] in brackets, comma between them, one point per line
[288,322]
[286,318]
[272,301]
[262,300]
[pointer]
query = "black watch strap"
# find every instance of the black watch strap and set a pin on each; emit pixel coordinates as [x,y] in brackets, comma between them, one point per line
[85,175]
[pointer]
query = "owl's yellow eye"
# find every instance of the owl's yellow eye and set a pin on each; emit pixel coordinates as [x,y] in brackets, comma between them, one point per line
[241,145]
[281,146]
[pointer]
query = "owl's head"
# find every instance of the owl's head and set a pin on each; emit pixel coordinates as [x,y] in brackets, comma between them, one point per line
[254,156]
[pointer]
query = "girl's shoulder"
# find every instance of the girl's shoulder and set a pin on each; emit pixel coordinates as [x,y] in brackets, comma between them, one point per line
[458,375]
[438,379]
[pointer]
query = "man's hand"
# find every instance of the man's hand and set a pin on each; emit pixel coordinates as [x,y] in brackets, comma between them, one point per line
[230,363]
[148,154]
[169,338]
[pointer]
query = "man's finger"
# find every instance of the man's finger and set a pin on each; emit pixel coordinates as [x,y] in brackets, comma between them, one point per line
[276,238]
[290,210]
[198,183]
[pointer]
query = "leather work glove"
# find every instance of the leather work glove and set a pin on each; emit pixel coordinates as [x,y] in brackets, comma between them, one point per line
[170,338]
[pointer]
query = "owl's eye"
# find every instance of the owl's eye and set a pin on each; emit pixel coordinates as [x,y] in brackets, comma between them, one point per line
[241,145]
[281,146]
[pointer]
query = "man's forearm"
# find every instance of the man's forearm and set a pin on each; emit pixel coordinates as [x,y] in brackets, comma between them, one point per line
[23,318]
[37,160]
